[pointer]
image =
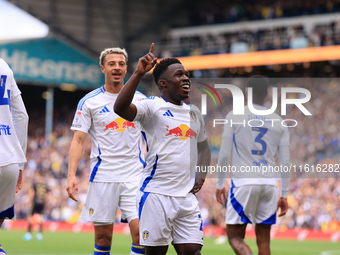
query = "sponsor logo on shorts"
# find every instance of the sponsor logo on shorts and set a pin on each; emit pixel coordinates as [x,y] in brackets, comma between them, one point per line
[91,211]
[145,234]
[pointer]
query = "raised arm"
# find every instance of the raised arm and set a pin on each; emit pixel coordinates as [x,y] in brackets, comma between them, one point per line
[123,106]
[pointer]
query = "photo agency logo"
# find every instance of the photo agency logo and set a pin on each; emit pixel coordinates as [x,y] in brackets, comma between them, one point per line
[204,97]
[257,115]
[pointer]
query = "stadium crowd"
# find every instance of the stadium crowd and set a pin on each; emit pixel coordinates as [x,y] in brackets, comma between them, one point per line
[249,40]
[314,202]
[219,11]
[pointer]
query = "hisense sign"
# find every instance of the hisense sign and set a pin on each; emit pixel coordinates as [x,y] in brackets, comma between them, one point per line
[51,62]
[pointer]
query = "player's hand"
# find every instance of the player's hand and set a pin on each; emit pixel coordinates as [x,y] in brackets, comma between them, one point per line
[19,183]
[220,196]
[283,206]
[72,184]
[198,185]
[147,62]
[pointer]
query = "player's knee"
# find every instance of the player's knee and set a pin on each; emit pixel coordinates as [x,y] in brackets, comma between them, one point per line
[192,249]
[197,252]
[234,240]
[104,240]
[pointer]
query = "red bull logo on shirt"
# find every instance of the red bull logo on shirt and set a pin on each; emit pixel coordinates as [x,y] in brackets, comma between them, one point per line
[119,125]
[182,131]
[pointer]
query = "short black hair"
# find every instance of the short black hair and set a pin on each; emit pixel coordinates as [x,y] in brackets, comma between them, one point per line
[259,84]
[162,66]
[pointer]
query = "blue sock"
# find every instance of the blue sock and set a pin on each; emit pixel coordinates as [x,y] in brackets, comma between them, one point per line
[101,250]
[2,250]
[137,249]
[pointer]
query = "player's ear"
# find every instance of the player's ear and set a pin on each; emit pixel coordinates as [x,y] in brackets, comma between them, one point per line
[163,83]
[102,68]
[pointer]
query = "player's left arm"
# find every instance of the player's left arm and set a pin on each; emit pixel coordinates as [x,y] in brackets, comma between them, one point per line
[204,158]
[123,106]
[224,159]
[19,182]
[284,161]
[20,122]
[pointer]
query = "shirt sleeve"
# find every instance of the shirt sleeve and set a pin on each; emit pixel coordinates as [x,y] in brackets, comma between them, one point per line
[14,87]
[228,131]
[224,156]
[19,116]
[139,96]
[144,110]
[284,137]
[284,160]
[82,119]
[201,135]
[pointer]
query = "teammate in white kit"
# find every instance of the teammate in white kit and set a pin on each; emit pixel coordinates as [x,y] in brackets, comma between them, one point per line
[176,141]
[116,155]
[253,141]
[13,140]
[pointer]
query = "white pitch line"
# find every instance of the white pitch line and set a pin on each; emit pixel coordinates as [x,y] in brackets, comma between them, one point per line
[334,252]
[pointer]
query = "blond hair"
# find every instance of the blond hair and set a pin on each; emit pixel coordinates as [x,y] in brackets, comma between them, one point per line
[109,51]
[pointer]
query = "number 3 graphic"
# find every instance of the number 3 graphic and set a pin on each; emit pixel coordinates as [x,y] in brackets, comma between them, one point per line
[258,139]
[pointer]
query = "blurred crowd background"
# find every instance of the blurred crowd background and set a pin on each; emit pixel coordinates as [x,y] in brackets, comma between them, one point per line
[244,38]
[250,40]
[219,11]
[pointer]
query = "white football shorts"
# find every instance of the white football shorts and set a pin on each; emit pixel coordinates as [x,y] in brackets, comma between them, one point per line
[103,198]
[252,204]
[8,181]
[165,219]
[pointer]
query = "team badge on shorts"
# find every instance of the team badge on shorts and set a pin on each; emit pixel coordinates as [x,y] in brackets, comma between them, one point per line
[193,115]
[145,234]
[91,211]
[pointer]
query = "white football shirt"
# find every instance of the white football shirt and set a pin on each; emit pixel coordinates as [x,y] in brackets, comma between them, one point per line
[171,134]
[13,120]
[256,140]
[116,153]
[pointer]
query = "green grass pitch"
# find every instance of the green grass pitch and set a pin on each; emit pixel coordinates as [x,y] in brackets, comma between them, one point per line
[64,243]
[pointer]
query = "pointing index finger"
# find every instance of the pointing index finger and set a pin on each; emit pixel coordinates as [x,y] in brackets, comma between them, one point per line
[151,48]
